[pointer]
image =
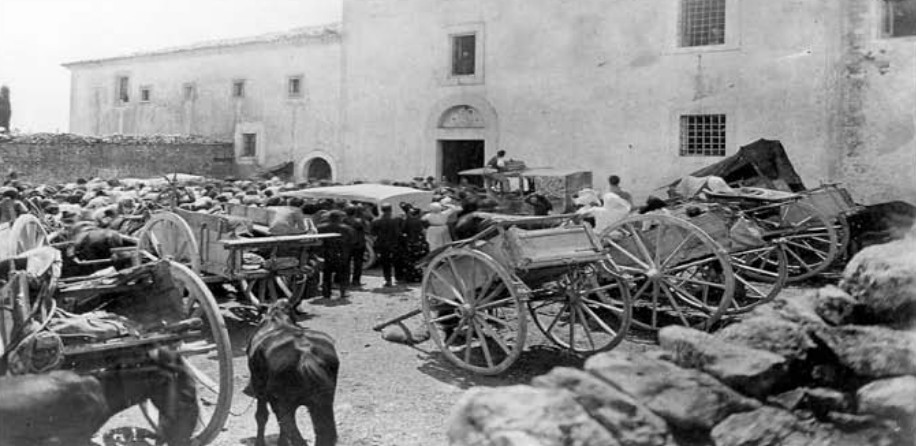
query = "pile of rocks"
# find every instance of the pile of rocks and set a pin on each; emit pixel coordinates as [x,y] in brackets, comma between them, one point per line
[836,366]
[70,138]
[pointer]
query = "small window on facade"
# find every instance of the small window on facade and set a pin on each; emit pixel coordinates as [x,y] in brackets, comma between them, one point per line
[899,18]
[145,94]
[238,89]
[464,53]
[188,92]
[123,89]
[294,87]
[702,22]
[702,135]
[249,144]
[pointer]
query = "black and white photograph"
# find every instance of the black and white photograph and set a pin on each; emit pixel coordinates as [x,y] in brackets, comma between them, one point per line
[458,222]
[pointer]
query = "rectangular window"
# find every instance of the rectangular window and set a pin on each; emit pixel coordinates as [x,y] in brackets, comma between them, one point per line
[238,89]
[702,22]
[294,86]
[702,135]
[145,94]
[899,18]
[123,89]
[464,53]
[188,92]
[249,144]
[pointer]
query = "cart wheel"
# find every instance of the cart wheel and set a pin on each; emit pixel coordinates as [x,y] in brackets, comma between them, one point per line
[808,237]
[841,225]
[26,233]
[473,309]
[587,314]
[760,274]
[167,236]
[209,357]
[677,273]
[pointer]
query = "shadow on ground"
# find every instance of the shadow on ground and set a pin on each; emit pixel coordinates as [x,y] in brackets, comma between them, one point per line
[534,361]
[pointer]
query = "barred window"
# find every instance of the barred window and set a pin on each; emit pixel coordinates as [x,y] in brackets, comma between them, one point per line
[702,22]
[294,86]
[123,89]
[238,88]
[145,94]
[899,18]
[703,135]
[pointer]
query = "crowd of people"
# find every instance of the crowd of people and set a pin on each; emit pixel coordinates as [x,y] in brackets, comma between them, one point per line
[86,211]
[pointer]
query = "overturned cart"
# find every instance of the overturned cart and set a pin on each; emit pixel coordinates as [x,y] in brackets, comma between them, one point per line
[111,321]
[478,293]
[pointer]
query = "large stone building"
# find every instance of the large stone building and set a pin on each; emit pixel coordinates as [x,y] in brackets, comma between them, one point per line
[649,90]
[277,96]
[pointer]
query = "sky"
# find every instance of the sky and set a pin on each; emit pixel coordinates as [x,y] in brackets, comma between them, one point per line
[37,36]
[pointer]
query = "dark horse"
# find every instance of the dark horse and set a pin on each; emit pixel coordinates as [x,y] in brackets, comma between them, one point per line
[290,367]
[67,408]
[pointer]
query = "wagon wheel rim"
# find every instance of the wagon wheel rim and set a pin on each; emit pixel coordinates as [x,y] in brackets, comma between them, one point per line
[841,225]
[809,238]
[214,390]
[27,233]
[677,273]
[760,274]
[483,303]
[168,236]
[589,313]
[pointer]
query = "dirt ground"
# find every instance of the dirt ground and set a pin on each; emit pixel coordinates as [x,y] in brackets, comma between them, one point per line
[388,394]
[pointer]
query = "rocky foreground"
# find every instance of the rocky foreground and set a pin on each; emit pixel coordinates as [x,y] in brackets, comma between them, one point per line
[834,367]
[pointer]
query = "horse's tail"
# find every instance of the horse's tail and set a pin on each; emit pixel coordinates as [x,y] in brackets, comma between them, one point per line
[318,367]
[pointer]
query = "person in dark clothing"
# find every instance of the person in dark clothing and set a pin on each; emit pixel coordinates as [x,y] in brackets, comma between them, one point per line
[539,203]
[360,227]
[414,245]
[336,253]
[387,232]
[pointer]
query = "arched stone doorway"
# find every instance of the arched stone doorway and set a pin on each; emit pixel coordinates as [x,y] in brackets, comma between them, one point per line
[317,166]
[464,130]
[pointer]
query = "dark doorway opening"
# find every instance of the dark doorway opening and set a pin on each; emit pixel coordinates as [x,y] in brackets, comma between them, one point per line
[318,169]
[458,155]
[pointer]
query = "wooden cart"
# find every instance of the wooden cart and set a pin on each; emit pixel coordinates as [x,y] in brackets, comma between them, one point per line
[165,303]
[477,293]
[211,245]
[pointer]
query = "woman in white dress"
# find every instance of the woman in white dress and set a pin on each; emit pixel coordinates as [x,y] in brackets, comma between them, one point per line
[437,232]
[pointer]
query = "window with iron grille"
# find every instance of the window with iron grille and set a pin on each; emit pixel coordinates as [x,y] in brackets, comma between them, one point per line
[294,86]
[899,18]
[145,94]
[188,92]
[249,144]
[464,52]
[703,135]
[702,22]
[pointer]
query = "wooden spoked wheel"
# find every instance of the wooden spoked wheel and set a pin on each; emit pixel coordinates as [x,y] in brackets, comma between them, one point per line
[808,237]
[760,274]
[26,233]
[167,236]
[209,357]
[474,311]
[584,312]
[676,272]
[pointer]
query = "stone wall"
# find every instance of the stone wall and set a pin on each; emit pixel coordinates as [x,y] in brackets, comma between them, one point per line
[62,159]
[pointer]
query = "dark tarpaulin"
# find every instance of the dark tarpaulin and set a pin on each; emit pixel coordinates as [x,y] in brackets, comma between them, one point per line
[762,163]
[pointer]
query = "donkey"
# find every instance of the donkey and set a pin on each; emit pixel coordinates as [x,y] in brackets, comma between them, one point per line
[290,367]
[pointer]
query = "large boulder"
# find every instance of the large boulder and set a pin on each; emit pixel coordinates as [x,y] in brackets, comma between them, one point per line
[689,400]
[883,279]
[871,351]
[819,401]
[628,420]
[769,426]
[523,416]
[800,309]
[773,334]
[835,306]
[748,370]
[893,398]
